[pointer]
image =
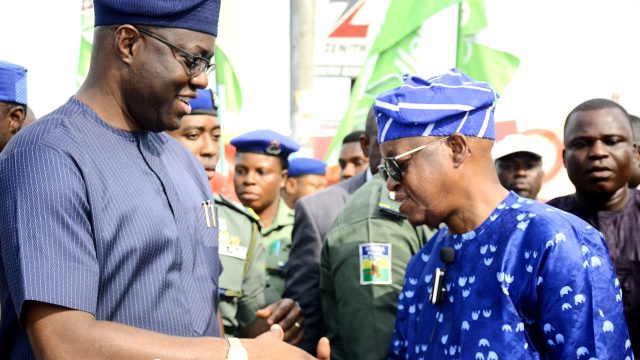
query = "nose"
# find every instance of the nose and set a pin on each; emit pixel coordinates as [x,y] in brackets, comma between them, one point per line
[598,149]
[201,81]
[520,171]
[348,171]
[250,178]
[392,184]
[208,148]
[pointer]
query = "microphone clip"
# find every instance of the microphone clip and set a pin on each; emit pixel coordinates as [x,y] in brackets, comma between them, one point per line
[439,287]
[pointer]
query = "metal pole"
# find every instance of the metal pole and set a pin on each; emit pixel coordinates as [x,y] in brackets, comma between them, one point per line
[302,28]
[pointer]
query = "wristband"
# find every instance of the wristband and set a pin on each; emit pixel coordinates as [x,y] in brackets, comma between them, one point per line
[236,350]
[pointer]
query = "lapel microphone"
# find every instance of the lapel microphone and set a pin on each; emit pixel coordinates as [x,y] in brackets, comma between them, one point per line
[439,286]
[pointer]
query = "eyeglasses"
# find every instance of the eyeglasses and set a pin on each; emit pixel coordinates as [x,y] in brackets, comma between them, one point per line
[198,64]
[391,167]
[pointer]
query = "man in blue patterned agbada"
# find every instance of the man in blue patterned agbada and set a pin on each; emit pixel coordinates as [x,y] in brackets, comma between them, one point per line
[521,280]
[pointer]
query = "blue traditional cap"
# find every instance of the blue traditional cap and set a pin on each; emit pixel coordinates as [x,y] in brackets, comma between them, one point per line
[438,106]
[265,142]
[13,83]
[306,166]
[196,15]
[204,103]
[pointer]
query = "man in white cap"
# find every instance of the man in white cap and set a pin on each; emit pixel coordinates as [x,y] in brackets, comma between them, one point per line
[506,277]
[518,160]
[108,230]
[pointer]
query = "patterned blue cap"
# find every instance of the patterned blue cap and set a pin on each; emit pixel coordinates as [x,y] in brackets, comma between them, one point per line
[438,106]
[204,103]
[13,83]
[306,166]
[265,142]
[196,15]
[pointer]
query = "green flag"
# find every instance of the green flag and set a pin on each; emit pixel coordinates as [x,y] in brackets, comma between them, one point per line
[86,39]
[227,85]
[478,61]
[392,54]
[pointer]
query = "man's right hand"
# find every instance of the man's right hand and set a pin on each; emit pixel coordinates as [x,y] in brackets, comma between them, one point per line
[271,346]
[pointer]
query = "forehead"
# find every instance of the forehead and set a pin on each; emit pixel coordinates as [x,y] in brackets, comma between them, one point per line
[351,149]
[209,122]
[253,160]
[610,121]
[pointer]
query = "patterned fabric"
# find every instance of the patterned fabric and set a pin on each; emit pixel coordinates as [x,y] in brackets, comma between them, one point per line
[531,282]
[438,106]
[13,83]
[197,15]
[108,222]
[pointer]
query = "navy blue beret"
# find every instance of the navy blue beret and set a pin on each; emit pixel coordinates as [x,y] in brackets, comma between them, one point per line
[13,83]
[196,15]
[204,103]
[306,166]
[438,106]
[265,142]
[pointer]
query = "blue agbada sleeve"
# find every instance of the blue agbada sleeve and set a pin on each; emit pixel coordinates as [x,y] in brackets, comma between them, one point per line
[46,243]
[580,314]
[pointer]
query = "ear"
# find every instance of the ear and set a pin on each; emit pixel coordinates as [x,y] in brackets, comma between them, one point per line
[283,177]
[290,185]
[16,116]
[127,42]
[459,149]
[564,161]
[364,144]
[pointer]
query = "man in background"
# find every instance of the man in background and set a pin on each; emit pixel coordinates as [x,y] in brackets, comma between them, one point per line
[306,176]
[261,169]
[13,100]
[599,154]
[247,305]
[518,161]
[352,160]
[634,181]
[314,216]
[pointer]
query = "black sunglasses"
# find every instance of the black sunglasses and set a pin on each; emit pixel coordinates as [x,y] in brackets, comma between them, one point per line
[198,64]
[390,167]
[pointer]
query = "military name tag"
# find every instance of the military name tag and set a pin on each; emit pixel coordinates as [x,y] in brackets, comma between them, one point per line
[375,263]
[236,251]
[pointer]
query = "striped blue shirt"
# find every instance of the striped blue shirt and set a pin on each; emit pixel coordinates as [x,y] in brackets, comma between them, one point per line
[105,221]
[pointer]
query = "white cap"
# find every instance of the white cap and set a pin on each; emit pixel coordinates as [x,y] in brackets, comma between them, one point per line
[514,143]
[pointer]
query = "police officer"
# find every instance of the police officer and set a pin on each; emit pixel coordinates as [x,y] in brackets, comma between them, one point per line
[242,286]
[261,169]
[306,176]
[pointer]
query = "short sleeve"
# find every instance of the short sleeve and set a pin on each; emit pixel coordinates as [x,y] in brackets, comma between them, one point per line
[580,313]
[46,241]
